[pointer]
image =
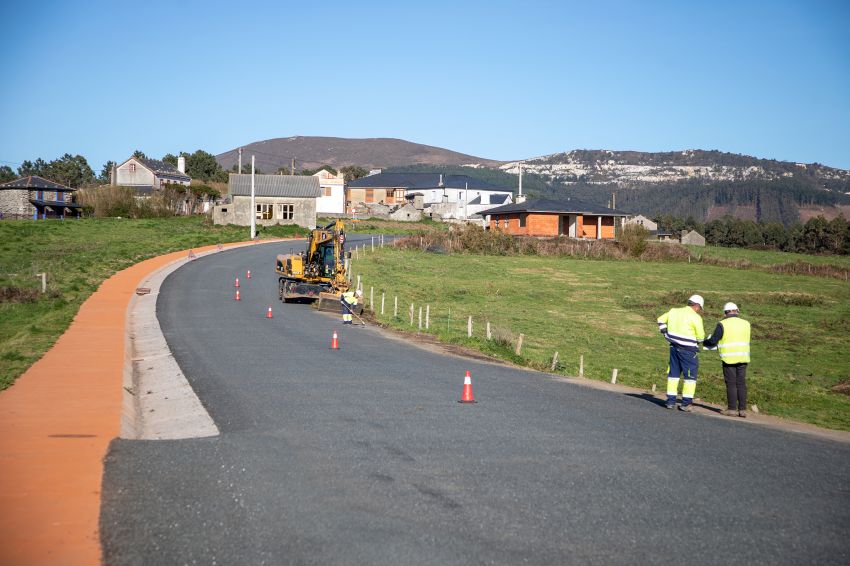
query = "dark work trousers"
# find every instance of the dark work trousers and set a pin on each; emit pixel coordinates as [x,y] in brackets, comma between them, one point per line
[735,376]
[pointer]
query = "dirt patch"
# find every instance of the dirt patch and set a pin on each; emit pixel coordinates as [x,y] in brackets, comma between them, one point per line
[842,387]
[12,294]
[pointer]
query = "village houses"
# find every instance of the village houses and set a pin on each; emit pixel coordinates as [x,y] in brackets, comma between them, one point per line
[278,199]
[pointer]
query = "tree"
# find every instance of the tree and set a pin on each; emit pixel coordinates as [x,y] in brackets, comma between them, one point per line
[71,170]
[316,170]
[106,172]
[352,172]
[170,158]
[6,174]
[202,165]
[28,168]
[139,154]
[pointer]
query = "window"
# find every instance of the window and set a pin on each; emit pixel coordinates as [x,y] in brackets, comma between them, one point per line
[370,195]
[132,168]
[506,221]
[264,212]
[285,211]
[327,191]
[522,220]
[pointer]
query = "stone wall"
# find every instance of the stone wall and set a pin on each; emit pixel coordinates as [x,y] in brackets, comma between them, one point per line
[14,203]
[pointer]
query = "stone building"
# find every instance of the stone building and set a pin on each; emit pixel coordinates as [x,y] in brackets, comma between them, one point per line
[693,238]
[278,199]
[36,197]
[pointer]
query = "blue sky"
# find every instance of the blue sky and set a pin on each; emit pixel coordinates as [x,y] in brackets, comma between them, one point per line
[502,80]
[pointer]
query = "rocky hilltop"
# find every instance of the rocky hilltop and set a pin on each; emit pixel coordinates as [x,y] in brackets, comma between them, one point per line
[634,168]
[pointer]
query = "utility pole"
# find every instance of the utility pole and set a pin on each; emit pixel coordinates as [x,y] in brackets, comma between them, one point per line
[240,162]
[253,203]
[292,167]
[613,200]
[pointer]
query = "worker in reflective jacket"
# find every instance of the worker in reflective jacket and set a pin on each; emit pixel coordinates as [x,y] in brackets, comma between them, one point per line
[731,338]
[682,327]
[347,302]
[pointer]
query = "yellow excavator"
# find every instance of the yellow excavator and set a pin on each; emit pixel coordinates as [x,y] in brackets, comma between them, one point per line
[321,272]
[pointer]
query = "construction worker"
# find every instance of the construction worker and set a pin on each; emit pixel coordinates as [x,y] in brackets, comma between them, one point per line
[731,338]
[682,327]
[347,302]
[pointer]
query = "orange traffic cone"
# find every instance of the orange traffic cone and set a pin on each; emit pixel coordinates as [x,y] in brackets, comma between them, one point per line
[467,390]
[248,274]
[269,314]
[236,298]
[191,255]
[236,283]
[335,342]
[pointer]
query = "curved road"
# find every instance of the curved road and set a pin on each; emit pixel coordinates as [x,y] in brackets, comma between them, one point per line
[363,456]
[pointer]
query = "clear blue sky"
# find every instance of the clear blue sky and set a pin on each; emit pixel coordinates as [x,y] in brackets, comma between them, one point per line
[502,80]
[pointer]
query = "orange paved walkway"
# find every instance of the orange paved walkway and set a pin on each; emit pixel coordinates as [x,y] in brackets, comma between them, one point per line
[56,423]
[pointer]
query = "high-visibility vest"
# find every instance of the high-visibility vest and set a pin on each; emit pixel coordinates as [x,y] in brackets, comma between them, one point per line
[734,346]
[683,327]
[349,298]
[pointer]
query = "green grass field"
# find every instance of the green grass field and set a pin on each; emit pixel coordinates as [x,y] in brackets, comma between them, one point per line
[606,311]
[762,257]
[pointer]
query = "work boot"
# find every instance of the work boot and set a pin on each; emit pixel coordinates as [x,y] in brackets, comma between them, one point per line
[742,414]
[671,405]
[685,408]
[729,413]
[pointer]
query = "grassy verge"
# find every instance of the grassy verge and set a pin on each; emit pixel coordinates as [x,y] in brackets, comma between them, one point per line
[605,310]
[381,226]
[78,256]
[768,258]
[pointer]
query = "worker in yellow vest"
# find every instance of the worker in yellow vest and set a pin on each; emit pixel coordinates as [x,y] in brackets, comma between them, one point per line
[683,328]
[731,338]
[348,301]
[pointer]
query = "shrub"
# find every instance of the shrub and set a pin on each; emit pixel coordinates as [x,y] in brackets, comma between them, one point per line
[633,239]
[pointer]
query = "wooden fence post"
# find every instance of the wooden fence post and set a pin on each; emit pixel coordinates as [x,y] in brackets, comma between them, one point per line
[411,314]
[373,243]
[581,366]
[383,296]
[372,299]
[489,334]
[427,317]
[519,344]
[614,376]
[395,307]
[420,317]
[469,327]
[555,361]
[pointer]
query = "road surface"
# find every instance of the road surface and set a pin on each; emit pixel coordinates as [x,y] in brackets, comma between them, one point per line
[364,456]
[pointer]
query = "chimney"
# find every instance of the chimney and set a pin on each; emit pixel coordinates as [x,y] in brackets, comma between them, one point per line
[181,164]
[520,197]
[113,175]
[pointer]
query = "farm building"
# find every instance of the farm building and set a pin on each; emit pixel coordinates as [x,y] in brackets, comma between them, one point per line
[550,218]
[146,175]
[278,199]
[36,197]
[450,196]
[693,238]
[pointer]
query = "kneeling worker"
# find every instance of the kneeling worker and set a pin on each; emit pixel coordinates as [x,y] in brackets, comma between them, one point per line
[731,337]
[683,328]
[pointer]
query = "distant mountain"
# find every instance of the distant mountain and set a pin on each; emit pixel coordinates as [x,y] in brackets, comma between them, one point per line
[698,183]
[310,152]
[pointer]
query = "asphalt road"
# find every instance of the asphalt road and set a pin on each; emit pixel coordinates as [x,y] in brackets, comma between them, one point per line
[364,456]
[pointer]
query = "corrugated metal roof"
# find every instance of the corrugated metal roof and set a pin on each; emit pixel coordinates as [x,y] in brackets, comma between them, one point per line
[559,206]
[421,181]
[35,182]
[296,186]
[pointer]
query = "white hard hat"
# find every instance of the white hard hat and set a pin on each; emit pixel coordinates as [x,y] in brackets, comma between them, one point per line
[730,307]
[697,299]
[359,292]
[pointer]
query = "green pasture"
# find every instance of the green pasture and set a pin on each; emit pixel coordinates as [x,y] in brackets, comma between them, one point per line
[768,257]
[606,311]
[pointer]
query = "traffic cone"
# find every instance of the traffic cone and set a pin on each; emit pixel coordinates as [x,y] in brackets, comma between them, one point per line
[269,314]
[191,255]
[236,283]
[467,390]
[248,274]
[335,342]
[236,298]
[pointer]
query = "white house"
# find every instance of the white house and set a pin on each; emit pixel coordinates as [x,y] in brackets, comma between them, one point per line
[450,196]
[146,175]
[332,188]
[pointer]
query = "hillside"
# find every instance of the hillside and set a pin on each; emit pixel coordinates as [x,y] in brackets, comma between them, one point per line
[310,152]
[698,183]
